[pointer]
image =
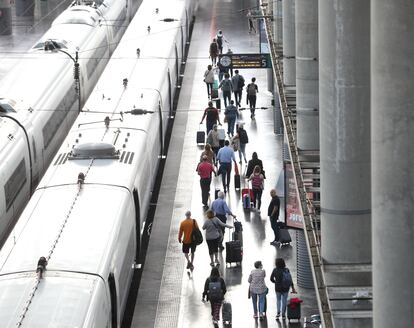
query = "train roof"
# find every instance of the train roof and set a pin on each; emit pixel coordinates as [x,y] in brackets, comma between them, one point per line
[80,292]
[89,218]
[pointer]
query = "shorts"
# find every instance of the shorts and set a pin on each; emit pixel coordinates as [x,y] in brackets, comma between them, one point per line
[187,247]
[213,245]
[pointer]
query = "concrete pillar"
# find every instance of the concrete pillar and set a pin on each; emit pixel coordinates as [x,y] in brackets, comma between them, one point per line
[277,22]
[307,75]
[289,65]
[344,97]
[392,117]
[25,7]
[5,17]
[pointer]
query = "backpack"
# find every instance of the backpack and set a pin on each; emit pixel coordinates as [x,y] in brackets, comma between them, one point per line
[226,86]
[244,139]
[220,40]
[215,293]
[240,82]
[286,279]
[251,89]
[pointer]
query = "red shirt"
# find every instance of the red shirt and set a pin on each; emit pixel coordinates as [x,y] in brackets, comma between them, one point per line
[204,169]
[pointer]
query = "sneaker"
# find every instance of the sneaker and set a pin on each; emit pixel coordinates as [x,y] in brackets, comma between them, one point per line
[255,315]
[221,247]
[277,316]
[188,265]
[217,263]
[274,243]
[283,317]
[215,323]
[212,264]
[191,267]
[240,162]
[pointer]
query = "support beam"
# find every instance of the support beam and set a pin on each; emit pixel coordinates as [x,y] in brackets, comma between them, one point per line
[289,69]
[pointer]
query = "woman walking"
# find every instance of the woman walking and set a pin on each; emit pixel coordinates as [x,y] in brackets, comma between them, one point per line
[209,153]
[257,180]
[212,226]
[214,50]
[283,282]
[258,290]
[209,80]
[214,291]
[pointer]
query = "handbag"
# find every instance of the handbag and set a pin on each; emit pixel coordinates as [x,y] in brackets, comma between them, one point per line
[196,235]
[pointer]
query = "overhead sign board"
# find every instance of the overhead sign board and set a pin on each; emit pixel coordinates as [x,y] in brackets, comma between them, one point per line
[245,61]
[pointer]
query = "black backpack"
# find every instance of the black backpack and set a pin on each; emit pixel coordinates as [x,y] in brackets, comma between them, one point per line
[215,293]
[286,279]
[196,235]
[244,139]
[240,83]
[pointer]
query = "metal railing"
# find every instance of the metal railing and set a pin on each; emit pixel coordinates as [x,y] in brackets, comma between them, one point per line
[309,219]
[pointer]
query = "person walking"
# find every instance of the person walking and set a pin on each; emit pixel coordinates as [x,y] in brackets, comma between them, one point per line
[258,290]
[213,139]
[252,163]
[252,91]
[283,281]
[213,235]
[209,153]
[220,40]
[231,114]
[204,170]
[238,83]
[220,209]
[226,87]
[250,22]
[214,291]
[273,213]
[214,51]
[184,236]
[243,140]
[225,156]
[257,180]
[209,80]
[212,115]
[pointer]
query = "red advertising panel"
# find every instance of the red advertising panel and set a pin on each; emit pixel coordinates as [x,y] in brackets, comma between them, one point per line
[294,216]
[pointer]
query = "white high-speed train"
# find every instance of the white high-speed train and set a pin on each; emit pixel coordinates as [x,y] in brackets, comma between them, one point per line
[86,215]
[39,100]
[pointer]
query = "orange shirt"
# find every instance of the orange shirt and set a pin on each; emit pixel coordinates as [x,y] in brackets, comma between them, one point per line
[186,228]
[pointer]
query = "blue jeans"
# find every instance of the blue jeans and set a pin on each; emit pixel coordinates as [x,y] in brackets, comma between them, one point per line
[242,151]
[261,298]
[231,121]
[281,303]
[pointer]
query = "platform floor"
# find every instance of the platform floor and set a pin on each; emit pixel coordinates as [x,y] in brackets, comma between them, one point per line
[168,295]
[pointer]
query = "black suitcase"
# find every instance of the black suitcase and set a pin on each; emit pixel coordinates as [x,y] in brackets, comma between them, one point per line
[293,311]
[237,181]
[234,252]
[201,137]
[226,314]
[284,237]
[238,231]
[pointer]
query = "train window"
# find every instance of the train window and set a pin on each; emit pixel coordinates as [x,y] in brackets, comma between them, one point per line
[114,307]
[6,108]
[15,184]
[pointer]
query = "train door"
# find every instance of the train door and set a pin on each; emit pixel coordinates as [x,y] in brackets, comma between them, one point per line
[114,305]
[170,102]
[187,30]
[177,66]
[182,43]
[137,223]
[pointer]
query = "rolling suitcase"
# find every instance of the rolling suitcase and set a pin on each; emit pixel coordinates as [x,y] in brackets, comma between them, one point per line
[201,136]
[226,314]
[293,309]
[234,252]
[284,237]
[238,231]
[236,176]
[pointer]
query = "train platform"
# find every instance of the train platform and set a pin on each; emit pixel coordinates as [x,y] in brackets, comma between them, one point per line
[169,295]
[26,30]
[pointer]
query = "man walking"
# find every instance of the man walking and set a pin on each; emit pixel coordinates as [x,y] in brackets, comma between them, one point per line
[186,228]
[252,91]
[226,87]
[273,213]
[220,208]
[238,83]
[225,156]
[204,170]
[212,115]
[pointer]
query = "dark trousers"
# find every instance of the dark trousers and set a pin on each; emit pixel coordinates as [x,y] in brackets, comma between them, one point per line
[209,125]
[257,197]
[238,97]
[205,189]
[226,96]
[225,169]
[215,310]
[209,88]
[252,103]
[276,226]
[231,121]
